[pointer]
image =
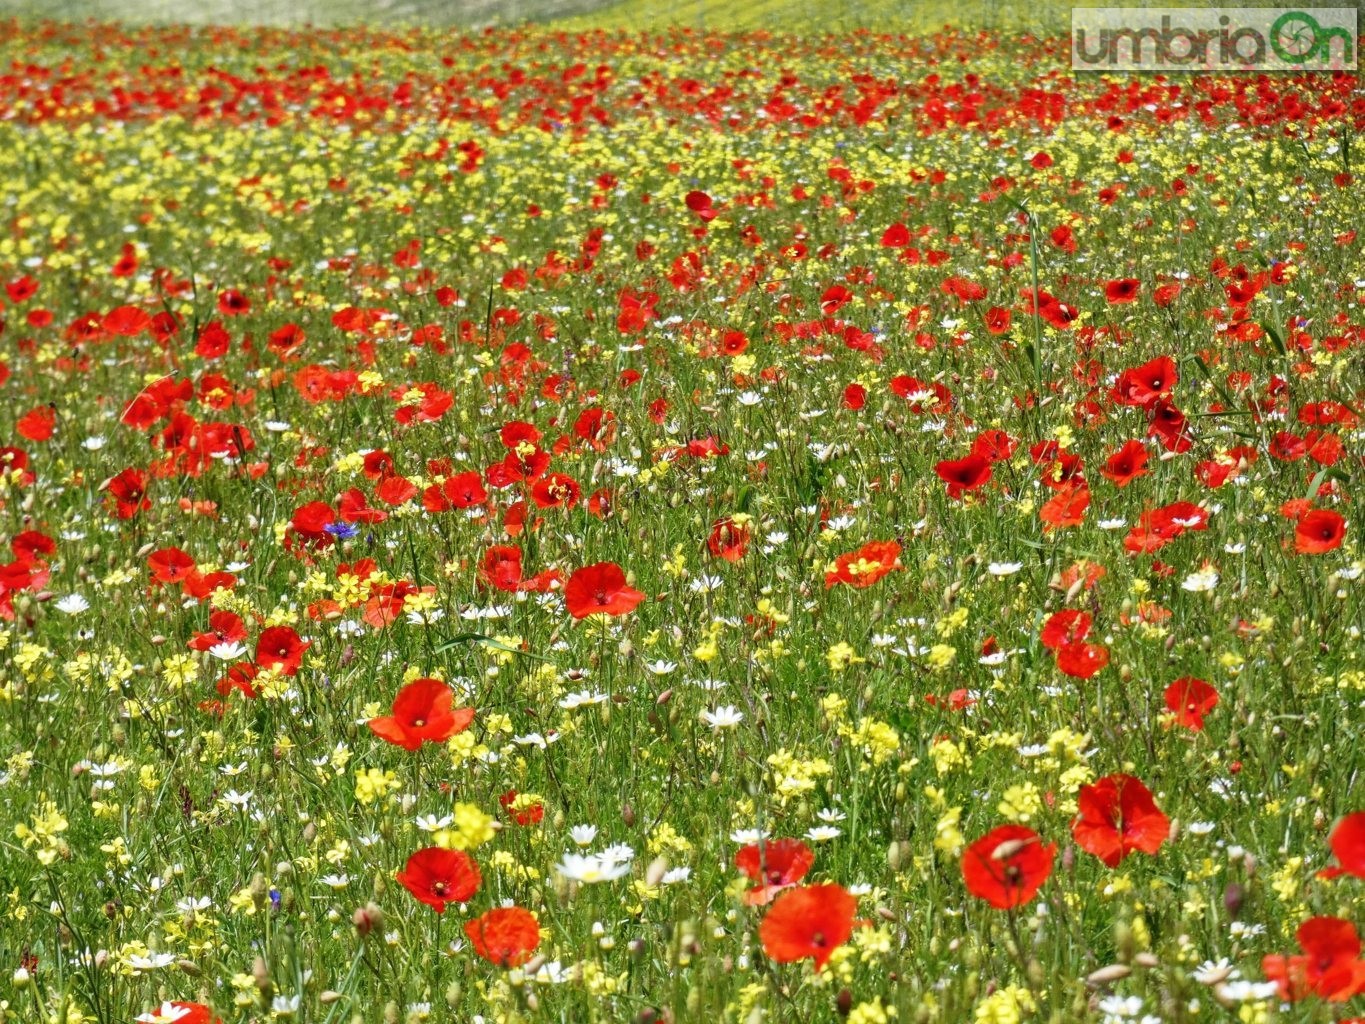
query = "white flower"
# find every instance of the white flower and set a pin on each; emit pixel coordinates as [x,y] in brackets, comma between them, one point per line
[618,853]
[151,962]
[335,881]
[190,903]
[1247,991]
[229,651]
[73,604]
[581,699]
[747,836]
[675,875]
[431,823]
[578,867]
[704,583]
[1004,568]
[724,717]
[583,835]
[1201,582]
[1112,524]
[661,667]
[168,1013]
[822,833]
[93,443]
[829,815]
[238,800]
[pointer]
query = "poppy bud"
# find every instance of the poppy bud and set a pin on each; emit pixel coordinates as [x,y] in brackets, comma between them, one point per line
[261,974]
[1232,899]
[391,1013]
[1108,975]
[843,1003]
[368,918]
[189,967]
[328,996]
[453,993]
[1125,943]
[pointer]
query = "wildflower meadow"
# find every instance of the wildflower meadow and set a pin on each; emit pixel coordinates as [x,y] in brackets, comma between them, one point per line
[549,524]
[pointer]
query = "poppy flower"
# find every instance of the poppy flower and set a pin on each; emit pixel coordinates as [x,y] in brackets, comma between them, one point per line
[129,491]
[1007,866]
[1143,385]
[506,936]
[1082,660]
[1117,816]
[176,1012]
[809,921]
[963,475]
[729,540]
[1124,289]
[1319,532]
[280,647]
[438,876]
[501,567]
[1064,627]
[866,566]
[1330,966]
[1190,699]
[1126,464]
[775,865]
[170,565]
[1348,844]
[600,589]
[422,713]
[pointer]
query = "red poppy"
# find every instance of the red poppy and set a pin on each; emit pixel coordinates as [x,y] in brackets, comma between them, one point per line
[1082,660]
[1117,816]
[808,921]
[1190,699]
[437,876]
[600,589]
[129,491]
[1348,843]
[280,647]
[1064,627]
[729,540]
[1330,967]
[775,865]
[1007,866]
[1319,532]
[225,627]
[422,713]
[170,565]
[506,936]
[531,812]
[1144,384]
[962,475]
[556,489]
[1122,290]
[866,566]
[37,424]
[1126,464]
[180,1013]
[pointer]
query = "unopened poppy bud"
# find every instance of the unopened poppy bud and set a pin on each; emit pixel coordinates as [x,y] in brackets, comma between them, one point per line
[188,967]
[367,919]
[654,874]
[1148,960]
[21,978]
[391,1013]
[1108,975]
[453,993]
[664,697]
[1124,941]
[328,996]
[1232,899]
[843,1002]
[893,855]
[260,973]
[628,815]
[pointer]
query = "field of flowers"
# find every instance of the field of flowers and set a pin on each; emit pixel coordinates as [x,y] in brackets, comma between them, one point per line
[583,527]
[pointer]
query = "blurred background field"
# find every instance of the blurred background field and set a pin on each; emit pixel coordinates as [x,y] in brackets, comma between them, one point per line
[797,16]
